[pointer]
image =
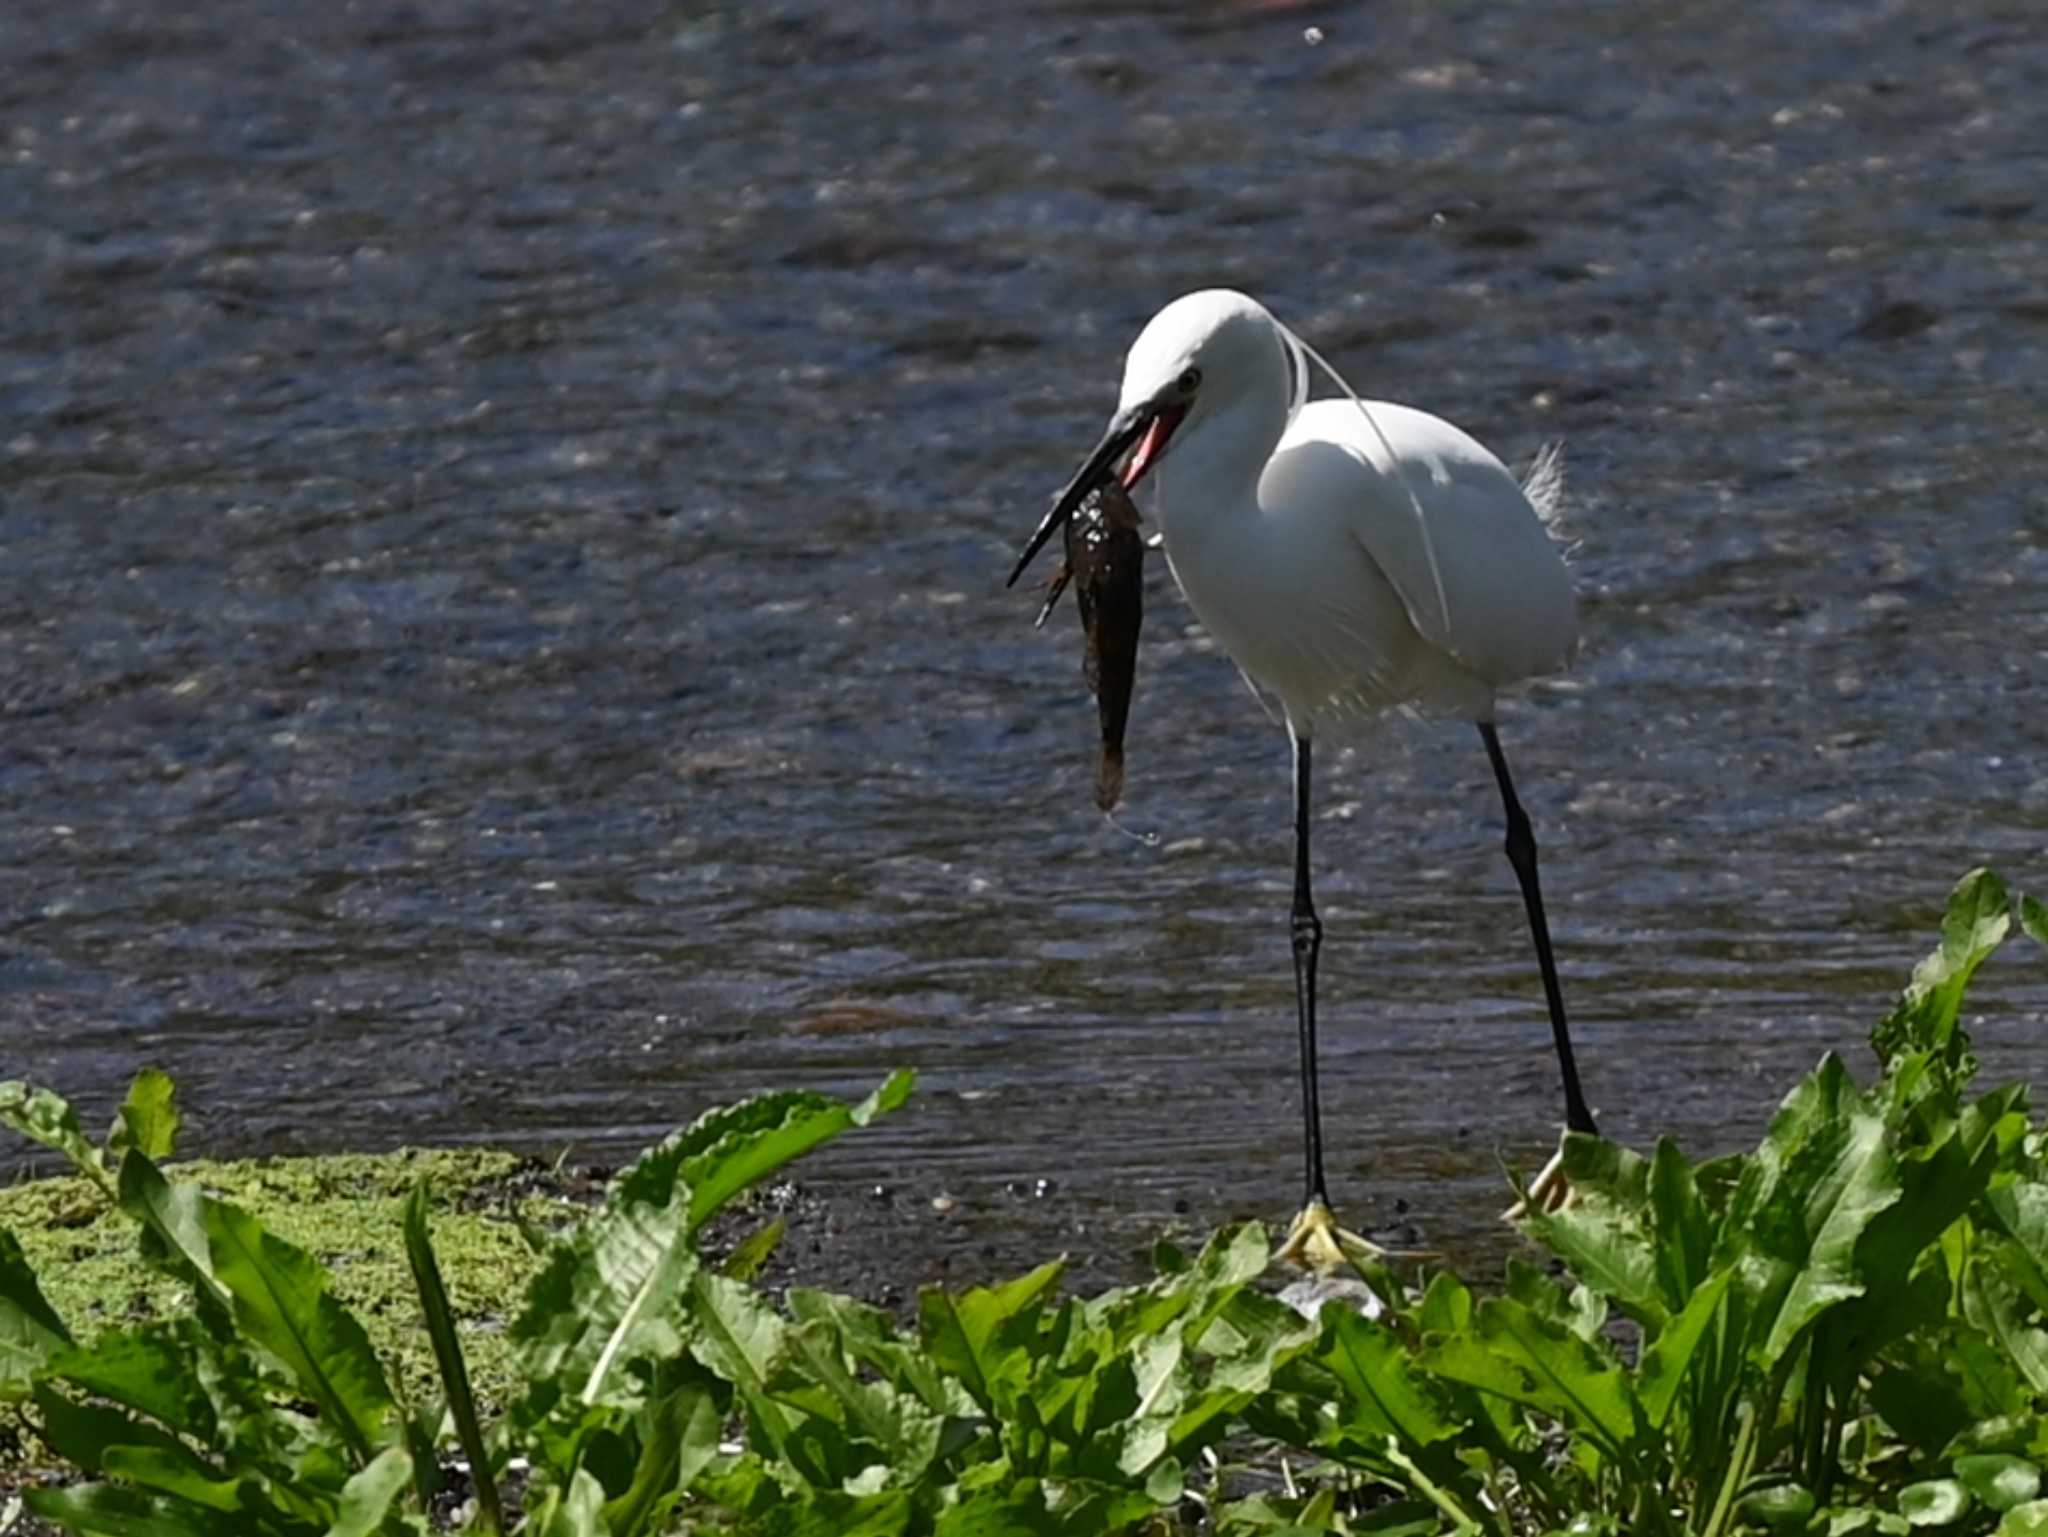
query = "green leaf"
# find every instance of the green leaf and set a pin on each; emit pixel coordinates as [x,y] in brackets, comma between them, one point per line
[174,1471]
[440,1320]
[151,1370]
[2034,919]
[577,1511]
[868,1336]
[752,1252]
[1668,1359]
[1805,1198]
[1604,1234]
[1975,924]
[108,1510]
[615,1291]
[174,1218]
[742,1340]
[2030,1519]
[726,1150]
[148,1119]
[84,1433]
[1935,1502]
[1518,1355]
[30,1330]
[877,1412]
[678,1443]
[1781,1508]
[1384,1391]
[1993,1304]
[2001,1482]
[2021,1211]
[977,1335]
[367,1498]
[281,1302]
[43,1117]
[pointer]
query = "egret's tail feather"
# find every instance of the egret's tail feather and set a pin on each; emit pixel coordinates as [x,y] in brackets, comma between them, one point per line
[1543,482]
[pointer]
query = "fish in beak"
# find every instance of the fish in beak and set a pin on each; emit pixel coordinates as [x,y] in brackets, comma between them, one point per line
[1147,425]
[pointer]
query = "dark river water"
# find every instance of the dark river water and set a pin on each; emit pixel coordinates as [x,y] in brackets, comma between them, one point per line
[504,507]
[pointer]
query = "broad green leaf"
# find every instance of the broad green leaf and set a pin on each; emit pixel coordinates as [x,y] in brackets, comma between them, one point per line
[1936,1502]
[148,1119]
[1685,1230]
[1805,1198]
[744,1341]
[108,1510]
[2030,1519]
[1993,1304]
[1516,1354]
[174,1471]
[876,1412]
[448,1359]
[43,1117]
[2011,1433]
[1263,1335]
[1975,924]
[976,1334]
[2034,919]
[30,1330]
[2021,1211]
[679,1440]
[281,1302]
[1781,1508]
[367,1498]
[1446,1305]
[577,1511]
[1603,1234]
[1668,1358]
[726,1150]
[2001,1482]
[615,1290]
[174,1218]
[1385,1391]
[868,1335]
[83,1433]
[150,1370]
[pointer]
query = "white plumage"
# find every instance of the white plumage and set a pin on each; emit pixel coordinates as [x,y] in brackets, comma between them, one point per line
[1299,546]
[1351,557]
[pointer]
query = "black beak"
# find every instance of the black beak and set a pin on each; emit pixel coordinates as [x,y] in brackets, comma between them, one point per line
[1125,428]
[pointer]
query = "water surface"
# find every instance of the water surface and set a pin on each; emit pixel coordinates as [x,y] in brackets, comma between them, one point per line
[505,509]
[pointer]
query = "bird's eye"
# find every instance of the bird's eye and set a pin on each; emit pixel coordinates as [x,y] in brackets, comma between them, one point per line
[1189,381]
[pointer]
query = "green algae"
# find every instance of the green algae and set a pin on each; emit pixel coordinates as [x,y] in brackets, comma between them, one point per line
[346,1210]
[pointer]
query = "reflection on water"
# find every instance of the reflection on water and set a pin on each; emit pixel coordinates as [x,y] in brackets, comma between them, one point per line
[502,632]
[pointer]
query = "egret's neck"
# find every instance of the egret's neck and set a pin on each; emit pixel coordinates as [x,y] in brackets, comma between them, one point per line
[1211,478]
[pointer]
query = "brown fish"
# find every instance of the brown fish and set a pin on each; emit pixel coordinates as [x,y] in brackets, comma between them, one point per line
[1106,563]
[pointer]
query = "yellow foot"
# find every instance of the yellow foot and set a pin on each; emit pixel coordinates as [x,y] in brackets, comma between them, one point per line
[1316,1244]
[1549,1191]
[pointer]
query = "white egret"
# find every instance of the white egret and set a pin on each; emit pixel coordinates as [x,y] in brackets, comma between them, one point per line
[1351,557]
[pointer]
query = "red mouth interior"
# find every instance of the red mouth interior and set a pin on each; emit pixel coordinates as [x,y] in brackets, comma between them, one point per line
[1151,446]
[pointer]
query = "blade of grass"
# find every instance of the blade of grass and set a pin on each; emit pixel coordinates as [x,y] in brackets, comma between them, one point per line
[440,1317]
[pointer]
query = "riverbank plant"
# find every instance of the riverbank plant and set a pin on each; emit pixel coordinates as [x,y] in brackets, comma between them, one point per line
[1842,1331]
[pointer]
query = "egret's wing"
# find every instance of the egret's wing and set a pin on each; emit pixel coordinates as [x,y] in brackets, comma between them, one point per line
[1508,612]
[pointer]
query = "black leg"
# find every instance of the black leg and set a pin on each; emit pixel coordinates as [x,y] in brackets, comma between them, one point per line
[1522,855]
[1308,940]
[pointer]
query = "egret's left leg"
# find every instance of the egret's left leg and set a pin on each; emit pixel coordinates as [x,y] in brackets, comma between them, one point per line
[1521,850]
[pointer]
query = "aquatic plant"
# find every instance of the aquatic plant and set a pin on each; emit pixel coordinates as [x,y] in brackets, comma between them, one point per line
[1843,1331]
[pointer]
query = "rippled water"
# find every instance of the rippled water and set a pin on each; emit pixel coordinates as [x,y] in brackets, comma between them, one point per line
[504,510]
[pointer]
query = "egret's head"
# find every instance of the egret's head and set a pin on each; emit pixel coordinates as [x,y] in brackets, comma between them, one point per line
[1196,356]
